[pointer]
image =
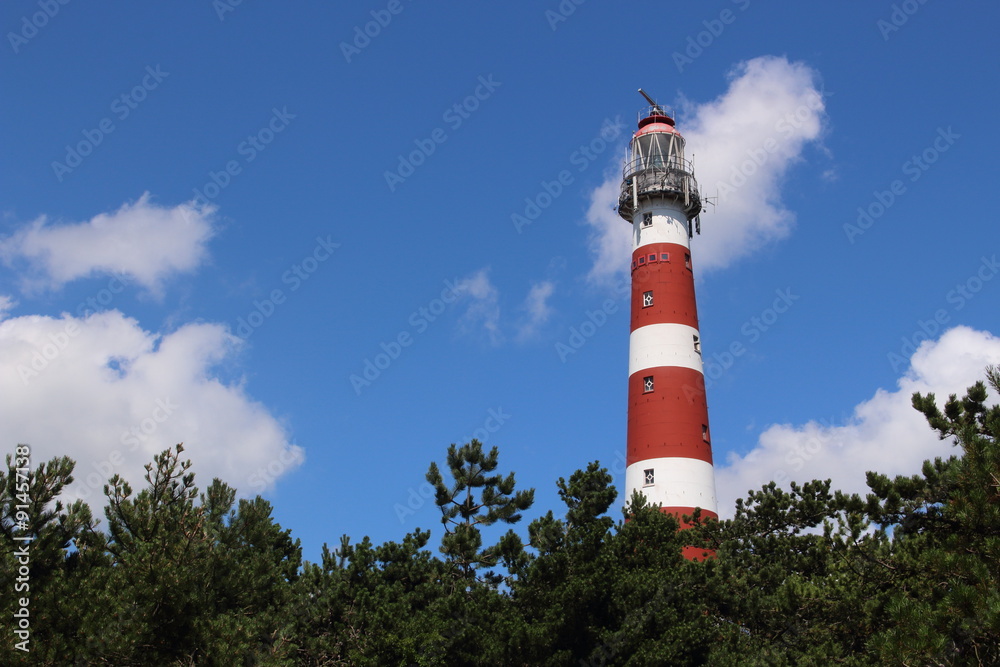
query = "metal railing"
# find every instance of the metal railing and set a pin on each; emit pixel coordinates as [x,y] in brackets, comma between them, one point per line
[643,177]
[637,163]
[658,110]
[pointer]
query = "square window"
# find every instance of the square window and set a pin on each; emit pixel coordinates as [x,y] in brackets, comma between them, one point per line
[704,432]
[647,219]
[697,344]
[652,257]
[687,261]
[647,477]
[633,263]
[647,299]
[664,257]
[647,384]
[642,260]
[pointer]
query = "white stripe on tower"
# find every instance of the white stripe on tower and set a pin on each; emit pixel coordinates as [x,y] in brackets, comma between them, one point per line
[655,345]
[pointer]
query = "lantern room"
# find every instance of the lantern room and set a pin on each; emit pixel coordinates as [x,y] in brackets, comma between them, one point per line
[655,165]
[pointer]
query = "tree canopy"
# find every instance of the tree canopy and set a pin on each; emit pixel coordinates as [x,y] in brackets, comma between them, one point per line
[908,574]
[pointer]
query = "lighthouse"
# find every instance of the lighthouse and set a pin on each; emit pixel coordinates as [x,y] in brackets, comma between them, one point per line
[669,458]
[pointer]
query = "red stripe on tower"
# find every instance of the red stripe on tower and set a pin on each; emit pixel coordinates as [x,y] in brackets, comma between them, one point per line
[669,457]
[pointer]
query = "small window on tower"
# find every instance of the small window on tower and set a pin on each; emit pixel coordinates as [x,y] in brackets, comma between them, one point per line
[647,477]
[652,257]
[647,299]
[647,384]
[647,219]
[704,432]
[687,261]
[642,260]
[697,344]
[664,257]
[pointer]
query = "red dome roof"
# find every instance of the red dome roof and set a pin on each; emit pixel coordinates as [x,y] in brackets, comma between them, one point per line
[656,123]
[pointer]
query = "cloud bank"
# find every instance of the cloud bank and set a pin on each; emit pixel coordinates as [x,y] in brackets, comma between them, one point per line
[885,434]
[483,316]
[110,395]
[483,310]
[143,241]
[536,308]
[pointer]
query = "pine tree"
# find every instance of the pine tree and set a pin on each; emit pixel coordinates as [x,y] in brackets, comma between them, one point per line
[477,499]
[946,537]
[58,562]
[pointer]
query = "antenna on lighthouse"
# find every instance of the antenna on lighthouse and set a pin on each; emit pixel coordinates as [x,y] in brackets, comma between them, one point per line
[652,103]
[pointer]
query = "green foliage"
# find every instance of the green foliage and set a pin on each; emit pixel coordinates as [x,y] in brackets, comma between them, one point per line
[174,581]
[907,575]
[477,499]
[946,540]
[56,572]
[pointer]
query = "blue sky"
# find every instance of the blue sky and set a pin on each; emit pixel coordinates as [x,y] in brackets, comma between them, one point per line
[215,214]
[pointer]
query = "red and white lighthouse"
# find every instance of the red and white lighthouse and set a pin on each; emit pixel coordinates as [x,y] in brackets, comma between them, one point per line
[669,456]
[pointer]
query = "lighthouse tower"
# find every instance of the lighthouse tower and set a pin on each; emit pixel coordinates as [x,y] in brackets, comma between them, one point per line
[669,456]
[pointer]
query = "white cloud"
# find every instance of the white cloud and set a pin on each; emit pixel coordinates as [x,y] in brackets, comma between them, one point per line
[146,242]
[885,433]
[536,306]
[110,395]
[611,238]
[744,143]
[483,315]
[483,311]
